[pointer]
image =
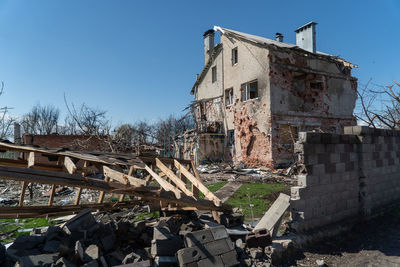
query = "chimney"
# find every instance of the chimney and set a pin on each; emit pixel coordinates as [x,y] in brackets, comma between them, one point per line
[305,37]
[208,44]
[17,133]
[279,37]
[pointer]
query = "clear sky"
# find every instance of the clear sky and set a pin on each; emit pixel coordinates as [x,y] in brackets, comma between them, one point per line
[138,59]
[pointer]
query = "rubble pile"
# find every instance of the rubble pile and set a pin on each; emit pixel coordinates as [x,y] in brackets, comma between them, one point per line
[178,240]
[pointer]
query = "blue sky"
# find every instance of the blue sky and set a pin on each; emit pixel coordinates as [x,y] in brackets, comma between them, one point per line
[138,59]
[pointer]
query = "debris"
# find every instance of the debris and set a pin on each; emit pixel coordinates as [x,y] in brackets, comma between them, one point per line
[273,217]
[258,238]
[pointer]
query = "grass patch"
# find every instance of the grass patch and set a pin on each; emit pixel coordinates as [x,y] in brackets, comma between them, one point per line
[11,225]
[213,188]
[254,199]
[146,216]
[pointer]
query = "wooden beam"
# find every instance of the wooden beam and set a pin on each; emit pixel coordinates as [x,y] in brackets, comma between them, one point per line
[53,189]
[101,197]
[69,165]
[195,190]
[179,183]
[78,196]
[22,195]
[123,178]
[31,159]
[164,184]
[207,193]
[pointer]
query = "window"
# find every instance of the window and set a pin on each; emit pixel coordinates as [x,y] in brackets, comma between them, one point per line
[316,85]
[228,96]
[231,137]
[234,56]
[214,74]
[249,90]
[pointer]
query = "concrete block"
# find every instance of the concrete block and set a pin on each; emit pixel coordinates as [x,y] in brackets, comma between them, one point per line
[219,246]
[311,138]
[325,179]
[258,238]
[230,259]
[340,167]
[212,261]
[324,158]
[318,169]
[166,247]
[334,158]
[193,254]
[274,213]
[359,130]
[219,232]
[306,180]
[198,237]
[165,261]
[310,159]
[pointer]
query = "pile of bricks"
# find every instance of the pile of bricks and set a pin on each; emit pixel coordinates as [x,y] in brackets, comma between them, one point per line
[209,247]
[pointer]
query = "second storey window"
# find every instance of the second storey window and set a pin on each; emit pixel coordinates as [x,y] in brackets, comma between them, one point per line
[234,56]
[229,96]
[214,74]
[249,90]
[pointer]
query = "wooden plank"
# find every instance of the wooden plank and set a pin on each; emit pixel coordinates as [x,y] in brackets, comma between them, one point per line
[53,189]
[43,211]
[164,184]
[123,178]
[179,183]
[101,197]
[31,159]
[22,196]
[69,165]
[195,190]
[207,193]
[78,196]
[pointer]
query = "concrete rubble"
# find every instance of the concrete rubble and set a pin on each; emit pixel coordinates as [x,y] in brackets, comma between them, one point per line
[107,239]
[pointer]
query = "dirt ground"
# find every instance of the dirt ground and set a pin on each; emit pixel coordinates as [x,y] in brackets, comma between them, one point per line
[372,244]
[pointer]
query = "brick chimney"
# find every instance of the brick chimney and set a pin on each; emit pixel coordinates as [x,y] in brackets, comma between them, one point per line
[208,44]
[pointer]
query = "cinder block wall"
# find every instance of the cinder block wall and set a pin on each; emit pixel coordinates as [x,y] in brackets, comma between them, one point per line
[345,176]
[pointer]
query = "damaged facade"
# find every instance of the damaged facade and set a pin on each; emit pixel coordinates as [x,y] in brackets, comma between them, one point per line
[255,94]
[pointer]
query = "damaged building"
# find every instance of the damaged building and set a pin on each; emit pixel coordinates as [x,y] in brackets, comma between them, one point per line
[255,94]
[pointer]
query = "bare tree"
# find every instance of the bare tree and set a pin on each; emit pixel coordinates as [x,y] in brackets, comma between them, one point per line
[88,120]
[41,120]
[383,112]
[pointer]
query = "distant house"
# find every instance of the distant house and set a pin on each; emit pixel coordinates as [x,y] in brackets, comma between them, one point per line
[255,94]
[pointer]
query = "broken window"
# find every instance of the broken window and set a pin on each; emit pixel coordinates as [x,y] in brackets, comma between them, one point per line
[249,90]
[214,74]
[316,85]
[231,137]
[229,96]
[287,134]
[234,56]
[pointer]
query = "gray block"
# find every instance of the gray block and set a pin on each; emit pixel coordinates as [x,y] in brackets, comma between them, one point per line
[230,258]
[219,246]
[166,247]
[219,232]
[198,237]
[215,261]
[38,260]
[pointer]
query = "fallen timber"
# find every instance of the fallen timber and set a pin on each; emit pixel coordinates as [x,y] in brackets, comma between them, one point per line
[172,184]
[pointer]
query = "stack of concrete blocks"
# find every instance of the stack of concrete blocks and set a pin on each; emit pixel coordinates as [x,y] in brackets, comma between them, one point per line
[328,191]
[379,153]
[209,247]
[357,173]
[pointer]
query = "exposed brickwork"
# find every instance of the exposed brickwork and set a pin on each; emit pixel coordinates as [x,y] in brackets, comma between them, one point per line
[72,142]
[255,145]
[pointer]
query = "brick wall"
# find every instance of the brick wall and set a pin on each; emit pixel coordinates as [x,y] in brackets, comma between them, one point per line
[345,176]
